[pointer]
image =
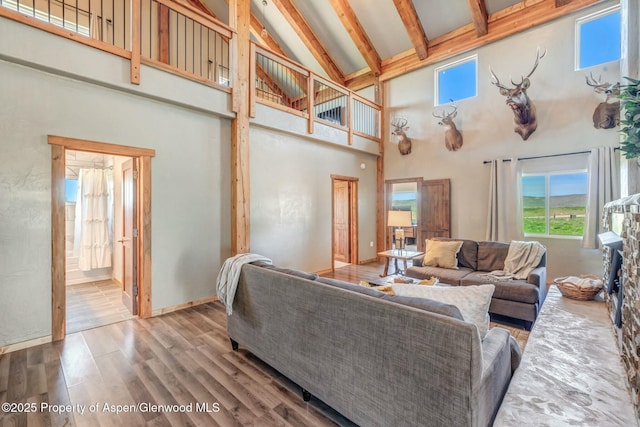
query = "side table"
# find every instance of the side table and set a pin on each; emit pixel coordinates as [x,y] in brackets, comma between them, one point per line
[397,254]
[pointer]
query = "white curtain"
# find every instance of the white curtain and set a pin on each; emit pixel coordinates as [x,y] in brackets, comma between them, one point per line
[504,219]
[604,186]
[92,245]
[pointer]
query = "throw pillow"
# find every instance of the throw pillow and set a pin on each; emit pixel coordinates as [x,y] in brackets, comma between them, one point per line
[439,253]
[365,284]
[472,301]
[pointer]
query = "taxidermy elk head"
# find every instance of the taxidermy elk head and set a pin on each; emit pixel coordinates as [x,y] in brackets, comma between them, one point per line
[524,111]
[607,114]
[452,137]
[399,128]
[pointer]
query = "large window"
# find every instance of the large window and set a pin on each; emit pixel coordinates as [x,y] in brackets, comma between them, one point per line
[598,38]
[554,204]
[456,81]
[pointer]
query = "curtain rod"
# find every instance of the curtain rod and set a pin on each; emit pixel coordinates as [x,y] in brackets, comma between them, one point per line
[548,155]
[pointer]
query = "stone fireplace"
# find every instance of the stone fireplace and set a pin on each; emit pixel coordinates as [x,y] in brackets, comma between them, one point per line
[623,217]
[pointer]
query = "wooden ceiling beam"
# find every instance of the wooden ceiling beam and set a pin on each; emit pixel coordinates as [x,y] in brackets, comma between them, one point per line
[265,39]
[479,16]
[308,37]
[562,2]
[413,26]
[520,17]
[358,35]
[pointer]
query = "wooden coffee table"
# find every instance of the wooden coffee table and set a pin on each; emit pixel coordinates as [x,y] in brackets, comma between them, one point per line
[397,254]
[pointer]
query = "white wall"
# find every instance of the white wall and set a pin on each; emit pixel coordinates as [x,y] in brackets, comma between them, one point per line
[565,106]
[190,172]
[291,198]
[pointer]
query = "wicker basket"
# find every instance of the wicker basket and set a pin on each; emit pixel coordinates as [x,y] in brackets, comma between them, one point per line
[573,291]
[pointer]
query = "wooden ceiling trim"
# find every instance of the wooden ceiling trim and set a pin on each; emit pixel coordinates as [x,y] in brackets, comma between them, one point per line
[308,37]
[520,17]
[414,27]
[562,2]
[479,16]
[358,35]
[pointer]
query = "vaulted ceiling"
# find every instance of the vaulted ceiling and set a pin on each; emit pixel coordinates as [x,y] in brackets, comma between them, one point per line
[358,42]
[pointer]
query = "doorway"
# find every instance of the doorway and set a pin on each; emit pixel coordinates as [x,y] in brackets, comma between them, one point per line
[97,199]
[344,225]
[140,221]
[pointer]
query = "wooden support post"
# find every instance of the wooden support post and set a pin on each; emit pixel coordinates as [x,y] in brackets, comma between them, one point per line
[350,118]
[163,33]
[380,199]
[311,97]
[135,41]
[240,19]
[58,275]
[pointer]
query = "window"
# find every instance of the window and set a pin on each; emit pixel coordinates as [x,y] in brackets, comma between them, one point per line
[554,204]
[456,81]
[70,190]
[598,38]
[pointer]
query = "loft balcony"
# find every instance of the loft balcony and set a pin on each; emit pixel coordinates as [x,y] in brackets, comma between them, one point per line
[178,53]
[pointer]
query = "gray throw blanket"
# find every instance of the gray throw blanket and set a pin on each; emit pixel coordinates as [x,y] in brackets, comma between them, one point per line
[522,259]
[227,281]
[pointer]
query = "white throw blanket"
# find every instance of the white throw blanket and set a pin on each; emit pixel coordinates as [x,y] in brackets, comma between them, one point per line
[522,259]
[227,281]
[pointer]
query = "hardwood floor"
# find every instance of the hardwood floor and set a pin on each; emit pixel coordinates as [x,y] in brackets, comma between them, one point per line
[181,358]
[94,304]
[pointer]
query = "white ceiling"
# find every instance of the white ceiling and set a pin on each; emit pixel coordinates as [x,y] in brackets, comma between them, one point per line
[380,20]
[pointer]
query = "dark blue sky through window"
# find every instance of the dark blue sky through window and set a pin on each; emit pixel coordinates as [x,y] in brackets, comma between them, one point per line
[457,82]
[600,40]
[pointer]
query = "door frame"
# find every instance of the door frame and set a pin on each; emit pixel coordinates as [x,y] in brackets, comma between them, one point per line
[352,183]
[59,145]
[388,189]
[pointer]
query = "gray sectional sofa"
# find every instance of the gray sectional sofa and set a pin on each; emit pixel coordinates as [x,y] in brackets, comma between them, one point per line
[519,299]
[378,359]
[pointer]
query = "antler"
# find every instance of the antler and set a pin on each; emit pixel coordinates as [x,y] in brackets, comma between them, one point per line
[497,80]
[535,65]
[599,87]
[444,114]
[399,122]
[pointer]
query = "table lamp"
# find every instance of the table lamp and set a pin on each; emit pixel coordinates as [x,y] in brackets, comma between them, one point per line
[399,219]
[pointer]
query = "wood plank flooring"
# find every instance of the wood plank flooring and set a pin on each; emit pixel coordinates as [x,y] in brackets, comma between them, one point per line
[94,304]
[181,359]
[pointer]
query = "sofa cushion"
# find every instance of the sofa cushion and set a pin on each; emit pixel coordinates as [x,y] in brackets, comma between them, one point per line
[472,301]
[439,253]
[491,255]
[446,275]
[514,290]
[468,255]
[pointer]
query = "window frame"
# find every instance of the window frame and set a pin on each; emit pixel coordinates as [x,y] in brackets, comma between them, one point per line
[578,42]
[547,188]
[449,65]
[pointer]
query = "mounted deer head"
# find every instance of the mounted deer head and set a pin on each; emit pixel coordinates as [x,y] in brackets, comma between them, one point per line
[452,137]
[607,114]
[399,128]
[524,111]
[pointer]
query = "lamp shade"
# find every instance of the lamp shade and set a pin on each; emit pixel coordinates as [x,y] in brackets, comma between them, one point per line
[399,219]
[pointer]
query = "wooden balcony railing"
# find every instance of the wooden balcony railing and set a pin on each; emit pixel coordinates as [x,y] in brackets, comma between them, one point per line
[185,41]
[283,84]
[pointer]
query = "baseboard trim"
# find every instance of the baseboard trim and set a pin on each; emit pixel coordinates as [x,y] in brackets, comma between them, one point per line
[24,344]
[182,306]
[368,261]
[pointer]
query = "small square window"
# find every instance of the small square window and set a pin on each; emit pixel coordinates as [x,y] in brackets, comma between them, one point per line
[598,38]
[457,80]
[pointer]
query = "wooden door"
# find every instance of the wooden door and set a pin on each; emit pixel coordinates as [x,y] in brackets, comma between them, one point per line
[130,234]
[341,220]
[435,210]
